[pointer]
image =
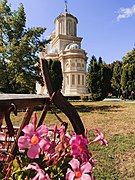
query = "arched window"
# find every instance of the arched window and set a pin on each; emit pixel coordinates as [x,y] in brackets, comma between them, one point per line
[67,65]
[73,66]
[69,27]
[78,65]
[78,78]
[61,27]
[82,79]
[73,79]
[67,80]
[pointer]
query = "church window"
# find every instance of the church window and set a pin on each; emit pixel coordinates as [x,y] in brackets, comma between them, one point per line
[67,80]
[82,65]
[73,79]
[73,65]
[67,65]
[69,27]
[78,79]
[78,65]
[82,79]
[62,27]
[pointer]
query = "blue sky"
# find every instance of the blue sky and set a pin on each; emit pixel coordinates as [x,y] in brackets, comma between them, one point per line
[107,26]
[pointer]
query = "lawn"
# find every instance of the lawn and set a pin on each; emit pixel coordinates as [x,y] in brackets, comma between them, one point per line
[117,121]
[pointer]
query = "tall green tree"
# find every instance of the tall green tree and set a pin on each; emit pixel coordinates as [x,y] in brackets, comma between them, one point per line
[128,74]
[18,51]
[106,80]
[116,77]
[55,74]
[92,77]
[98,79]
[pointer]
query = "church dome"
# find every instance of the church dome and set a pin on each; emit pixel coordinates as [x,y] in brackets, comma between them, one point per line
[72,46]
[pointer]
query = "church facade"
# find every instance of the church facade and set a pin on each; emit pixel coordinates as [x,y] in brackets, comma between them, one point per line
[65,46]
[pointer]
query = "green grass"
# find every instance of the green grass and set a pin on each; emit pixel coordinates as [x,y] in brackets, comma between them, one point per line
[117,121]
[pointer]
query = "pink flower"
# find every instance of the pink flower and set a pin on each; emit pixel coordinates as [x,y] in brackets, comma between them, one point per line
[40,173]
[79,146]
[34,140]
[100,138]
[79,172]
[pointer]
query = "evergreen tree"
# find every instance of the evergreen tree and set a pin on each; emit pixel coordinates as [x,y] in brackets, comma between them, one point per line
[116,78]
[107,75]
[55,74]
[128,74]
[92,77]
[18,51]
[124,81]
[98,79]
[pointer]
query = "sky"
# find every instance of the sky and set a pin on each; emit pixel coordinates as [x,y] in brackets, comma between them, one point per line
[107,26]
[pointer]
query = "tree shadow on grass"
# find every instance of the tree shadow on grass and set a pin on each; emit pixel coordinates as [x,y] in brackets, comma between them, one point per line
[88,108]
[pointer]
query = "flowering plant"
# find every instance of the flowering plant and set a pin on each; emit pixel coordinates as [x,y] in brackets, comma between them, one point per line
[54,154]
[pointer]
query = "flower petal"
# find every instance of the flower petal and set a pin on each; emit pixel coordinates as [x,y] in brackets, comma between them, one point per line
[99,138]
[40,176]
[42,130]
[40,173]
[23,142]
[29,130]
[34,151]
[33,166]
[86,177]
[75,164]
[44,144]
[86,168]
[104,142]
[70,174]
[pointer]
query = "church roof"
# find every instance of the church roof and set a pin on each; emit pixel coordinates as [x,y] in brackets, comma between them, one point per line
[66,14]
[72,46]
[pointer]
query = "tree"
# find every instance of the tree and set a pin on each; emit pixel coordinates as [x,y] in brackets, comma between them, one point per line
[106,80]
[128,74]
[92,77]
[98,79]
[18,51]
[116,77]
[56,74]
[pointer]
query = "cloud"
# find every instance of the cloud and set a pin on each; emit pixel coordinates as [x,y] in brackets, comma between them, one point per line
[125,13]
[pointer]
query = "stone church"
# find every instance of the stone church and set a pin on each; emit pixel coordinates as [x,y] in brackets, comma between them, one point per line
[65,46]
